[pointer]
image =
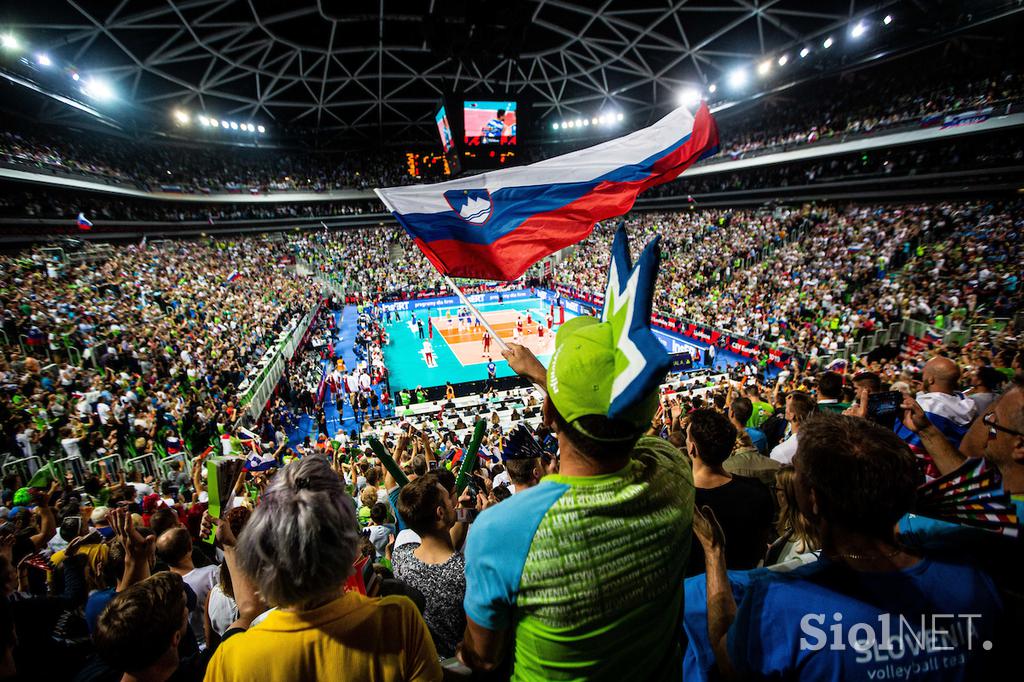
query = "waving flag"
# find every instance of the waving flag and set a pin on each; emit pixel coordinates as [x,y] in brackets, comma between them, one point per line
[83,222]
[496,225]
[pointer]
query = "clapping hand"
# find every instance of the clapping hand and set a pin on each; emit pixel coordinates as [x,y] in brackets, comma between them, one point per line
[707,529]
[131,539]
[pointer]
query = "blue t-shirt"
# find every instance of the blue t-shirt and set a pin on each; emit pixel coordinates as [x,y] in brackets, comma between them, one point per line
[98,601]
[760,442]
[784,623]
[491,368]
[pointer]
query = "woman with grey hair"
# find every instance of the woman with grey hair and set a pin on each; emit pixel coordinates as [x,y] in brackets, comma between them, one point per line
[297,551]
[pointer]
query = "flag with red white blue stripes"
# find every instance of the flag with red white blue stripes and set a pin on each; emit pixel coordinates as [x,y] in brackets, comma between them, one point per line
[496,225]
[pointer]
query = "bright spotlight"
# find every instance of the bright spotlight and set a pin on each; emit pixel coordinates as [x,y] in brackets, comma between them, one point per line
[859,30]
[689,97]
[828,42]
[586,121]
[887,20]
[738,78]
[261,129]
[234,126]
[783,60]
[579,123]
[554,126]
[594,120]
[98,89]
[620,117]
[804,52]
[225,125]
[712,88]
[180,116]
[764,67]
[75,76]
[9,42]
[43,59]
[571,124]
[203,121]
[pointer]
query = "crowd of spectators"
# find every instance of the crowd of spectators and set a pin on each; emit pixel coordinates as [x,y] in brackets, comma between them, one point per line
[728,507]
[816,280]
[120,355]
[121,213]
[197,168]
[917,95]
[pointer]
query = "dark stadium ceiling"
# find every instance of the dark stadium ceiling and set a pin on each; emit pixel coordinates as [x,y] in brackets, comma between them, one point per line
[376,69]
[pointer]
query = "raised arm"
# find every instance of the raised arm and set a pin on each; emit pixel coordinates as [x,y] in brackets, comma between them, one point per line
[721,603]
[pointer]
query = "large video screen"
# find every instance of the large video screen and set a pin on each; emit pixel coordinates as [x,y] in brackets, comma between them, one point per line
[489,122]
[444,129]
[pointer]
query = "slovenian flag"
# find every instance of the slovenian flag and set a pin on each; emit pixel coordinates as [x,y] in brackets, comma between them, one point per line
[257,461]
[235,274]
[496,225]
[83,222]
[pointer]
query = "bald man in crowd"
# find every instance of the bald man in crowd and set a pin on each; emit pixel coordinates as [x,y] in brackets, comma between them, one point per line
[174,547]
[949,410]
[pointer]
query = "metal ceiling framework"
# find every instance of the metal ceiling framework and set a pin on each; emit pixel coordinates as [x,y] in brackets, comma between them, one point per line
[375,72]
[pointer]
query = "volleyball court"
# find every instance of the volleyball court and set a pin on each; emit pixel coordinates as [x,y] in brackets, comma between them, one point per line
[467,341]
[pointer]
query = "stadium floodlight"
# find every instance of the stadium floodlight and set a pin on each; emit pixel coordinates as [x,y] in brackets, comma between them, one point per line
[586,121]
[594,120]
[764,67]
[828,42]
[620,117]
[859,29]
[783,60]
[579,123]
[9,41]
[181,116]
[98,89]
[887,20]
[554,126]
[225,125]
[203,121]
[712,88]
[261,129]
[75,76]
[43,59]
[234,126]
[689,97]
[570,124]
[738,78]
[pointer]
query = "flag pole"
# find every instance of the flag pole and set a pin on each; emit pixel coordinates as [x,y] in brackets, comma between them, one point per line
[465,300]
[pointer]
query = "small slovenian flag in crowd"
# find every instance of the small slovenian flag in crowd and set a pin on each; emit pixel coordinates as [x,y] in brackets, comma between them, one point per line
[83,222]
[257,461]
[233,276]
[838,365]
[498,224]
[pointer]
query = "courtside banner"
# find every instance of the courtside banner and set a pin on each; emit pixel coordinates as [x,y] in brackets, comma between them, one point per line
[496,225]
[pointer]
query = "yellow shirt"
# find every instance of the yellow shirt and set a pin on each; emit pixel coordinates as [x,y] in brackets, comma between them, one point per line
[351,638]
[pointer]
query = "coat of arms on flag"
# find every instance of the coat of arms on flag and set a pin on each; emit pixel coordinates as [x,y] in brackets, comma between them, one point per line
[472,205]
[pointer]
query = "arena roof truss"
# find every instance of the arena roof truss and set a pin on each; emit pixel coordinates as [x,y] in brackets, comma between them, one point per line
[377,69]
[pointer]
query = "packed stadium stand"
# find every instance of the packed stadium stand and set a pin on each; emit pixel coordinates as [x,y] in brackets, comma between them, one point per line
[544,341]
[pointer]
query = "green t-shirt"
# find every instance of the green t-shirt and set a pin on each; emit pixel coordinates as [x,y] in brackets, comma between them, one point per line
[588,571]
[762,411]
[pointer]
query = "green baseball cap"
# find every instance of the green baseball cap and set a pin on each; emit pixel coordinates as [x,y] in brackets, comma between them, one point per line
[581,373]
[22,497]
